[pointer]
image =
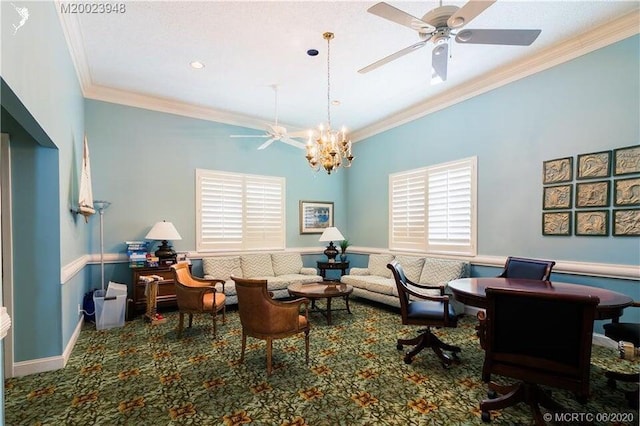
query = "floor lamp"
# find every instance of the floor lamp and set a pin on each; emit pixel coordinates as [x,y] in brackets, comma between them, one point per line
[101,206]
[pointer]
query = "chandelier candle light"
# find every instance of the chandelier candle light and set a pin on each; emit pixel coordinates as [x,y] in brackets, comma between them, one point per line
[330,146]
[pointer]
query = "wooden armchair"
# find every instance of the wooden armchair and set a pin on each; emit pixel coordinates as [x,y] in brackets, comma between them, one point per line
[538,339]
[424,310]
[196,296]
[267,319]
[532,269]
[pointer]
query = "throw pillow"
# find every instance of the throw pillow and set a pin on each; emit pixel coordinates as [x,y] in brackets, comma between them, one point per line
[378,264]
[412,266]
[222,267]
[286,263]
[440,271]
[256,265]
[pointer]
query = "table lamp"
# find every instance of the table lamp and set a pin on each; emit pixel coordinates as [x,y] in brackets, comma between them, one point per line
[163,231]
[331,234]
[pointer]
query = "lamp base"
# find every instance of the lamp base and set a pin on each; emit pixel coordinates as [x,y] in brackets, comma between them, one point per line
[165,252]
[331,252]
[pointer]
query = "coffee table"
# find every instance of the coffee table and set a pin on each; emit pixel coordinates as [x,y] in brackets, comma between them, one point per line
[323,290]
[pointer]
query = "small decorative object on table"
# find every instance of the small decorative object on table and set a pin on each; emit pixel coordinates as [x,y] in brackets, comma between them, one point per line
[344,244]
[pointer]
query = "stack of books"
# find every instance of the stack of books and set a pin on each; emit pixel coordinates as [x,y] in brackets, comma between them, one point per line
[137,252]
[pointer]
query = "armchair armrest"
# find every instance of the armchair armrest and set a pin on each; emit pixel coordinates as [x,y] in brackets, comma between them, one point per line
[192,297]
[286,313]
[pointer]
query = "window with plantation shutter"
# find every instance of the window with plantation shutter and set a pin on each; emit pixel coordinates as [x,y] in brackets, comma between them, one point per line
[433,209]
[239,212]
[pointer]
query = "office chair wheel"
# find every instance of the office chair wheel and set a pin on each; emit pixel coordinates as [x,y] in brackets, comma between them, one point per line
[455,357]
[399,347]
[491,394]
[611,383]
[408,359]
[486,417]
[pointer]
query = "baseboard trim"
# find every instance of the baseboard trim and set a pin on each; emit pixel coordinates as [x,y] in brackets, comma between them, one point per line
[43,365]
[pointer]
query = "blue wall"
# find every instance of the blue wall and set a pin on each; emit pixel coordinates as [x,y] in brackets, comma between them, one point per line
[586,105]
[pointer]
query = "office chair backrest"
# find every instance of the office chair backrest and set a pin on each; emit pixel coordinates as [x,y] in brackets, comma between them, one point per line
[540,338]
[532,269]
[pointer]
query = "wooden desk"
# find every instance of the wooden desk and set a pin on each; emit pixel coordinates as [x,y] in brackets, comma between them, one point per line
[470,291]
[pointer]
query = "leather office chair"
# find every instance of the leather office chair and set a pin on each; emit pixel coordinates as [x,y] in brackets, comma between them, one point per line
[196,296]
[267,319]
[626,332]
[539,339]
[420,309]
[533,269]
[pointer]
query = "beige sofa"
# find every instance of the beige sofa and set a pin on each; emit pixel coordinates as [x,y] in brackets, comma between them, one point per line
[279,269]
[376,281]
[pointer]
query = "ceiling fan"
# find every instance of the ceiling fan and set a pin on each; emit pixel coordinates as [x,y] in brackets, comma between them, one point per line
[442,23]
[276,132]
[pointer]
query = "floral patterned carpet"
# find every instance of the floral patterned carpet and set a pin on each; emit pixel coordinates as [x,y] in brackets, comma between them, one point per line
[143,375]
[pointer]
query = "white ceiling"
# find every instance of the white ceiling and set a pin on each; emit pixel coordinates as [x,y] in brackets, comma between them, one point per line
[141,57]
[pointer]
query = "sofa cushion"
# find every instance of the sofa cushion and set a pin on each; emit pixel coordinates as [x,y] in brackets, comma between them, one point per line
[222,268]
[286,263]
[439,271]
[378,264]
[412,266]
[256,265]
[372,283]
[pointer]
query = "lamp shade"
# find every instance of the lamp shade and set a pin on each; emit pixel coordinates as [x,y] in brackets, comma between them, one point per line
[163,231]
[331,234]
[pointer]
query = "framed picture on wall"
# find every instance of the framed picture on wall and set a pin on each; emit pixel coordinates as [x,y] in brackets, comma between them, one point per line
[595,165]
[626,160]
[594,223]
[556,223]
[557,171]
[626,192]
[557,197]
[626,222]
[315,216]
[592,194]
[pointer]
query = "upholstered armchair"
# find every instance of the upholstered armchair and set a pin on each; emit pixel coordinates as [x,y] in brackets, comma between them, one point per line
[196,295]
[426,310]
[264,318]
[532,269]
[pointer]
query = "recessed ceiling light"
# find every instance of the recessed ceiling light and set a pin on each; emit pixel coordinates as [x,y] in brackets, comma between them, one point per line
[335,102]
[197,65]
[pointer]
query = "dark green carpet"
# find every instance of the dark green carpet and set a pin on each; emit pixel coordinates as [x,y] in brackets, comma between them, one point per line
[143,375]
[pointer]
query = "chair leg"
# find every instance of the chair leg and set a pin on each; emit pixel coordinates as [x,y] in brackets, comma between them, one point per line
[180,325]
[244,345]
[269,354]
[190,320]
[306,346]
[224,314]
[215,330]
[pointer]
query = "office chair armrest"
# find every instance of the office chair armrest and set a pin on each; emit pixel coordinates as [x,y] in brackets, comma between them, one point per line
[428,286]
[441,298]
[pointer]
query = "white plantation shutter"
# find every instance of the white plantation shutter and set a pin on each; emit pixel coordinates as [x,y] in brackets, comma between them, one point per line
[238,212]
[407,228]
[433,209]
[451,208]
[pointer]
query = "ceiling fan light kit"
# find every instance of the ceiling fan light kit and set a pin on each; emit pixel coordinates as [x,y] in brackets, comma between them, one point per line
[328,148]
[440,25]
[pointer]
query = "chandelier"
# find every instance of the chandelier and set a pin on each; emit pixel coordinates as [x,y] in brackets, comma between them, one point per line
[328,148]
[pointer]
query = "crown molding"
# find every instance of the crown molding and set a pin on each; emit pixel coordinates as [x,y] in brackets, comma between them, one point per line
[599,37]
[602,36]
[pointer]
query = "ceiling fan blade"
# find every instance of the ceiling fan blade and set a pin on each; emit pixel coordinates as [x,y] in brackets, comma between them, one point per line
[291,142]
[266,144]
[250,136]
[466,13]
[505,37]
[393,56]
[439,61]
[398,16]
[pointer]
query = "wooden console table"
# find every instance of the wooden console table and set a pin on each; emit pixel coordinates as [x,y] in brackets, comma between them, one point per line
[323,266]
[166,295]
